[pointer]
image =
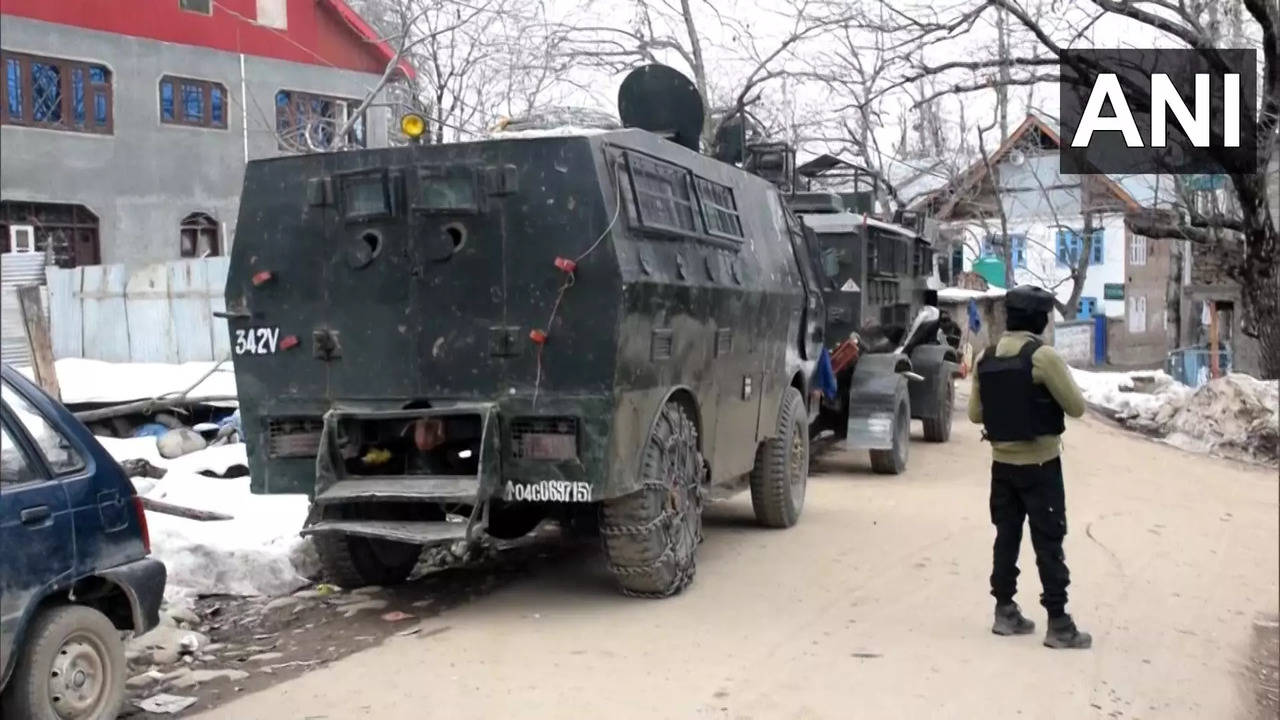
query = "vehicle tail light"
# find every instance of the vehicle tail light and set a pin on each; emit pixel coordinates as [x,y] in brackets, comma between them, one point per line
[142,523]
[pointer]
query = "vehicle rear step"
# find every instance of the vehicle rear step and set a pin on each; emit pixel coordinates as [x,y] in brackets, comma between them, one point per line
[416,532]
[424,488]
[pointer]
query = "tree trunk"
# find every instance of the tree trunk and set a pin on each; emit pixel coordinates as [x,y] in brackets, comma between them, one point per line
[1260,289]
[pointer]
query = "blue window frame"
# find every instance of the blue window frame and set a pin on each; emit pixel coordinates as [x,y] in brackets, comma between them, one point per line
[194,103]
[217,115]
[166,100]
[13,86]
[1098,254]
[1070,242]
[1018,245]
[1087,309]
[77,95]
[55,93]
[306,122]
[46,93]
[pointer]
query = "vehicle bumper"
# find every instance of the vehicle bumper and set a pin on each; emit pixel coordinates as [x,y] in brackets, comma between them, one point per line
[143,583]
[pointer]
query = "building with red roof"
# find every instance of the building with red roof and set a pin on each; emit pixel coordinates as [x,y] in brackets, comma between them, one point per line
[125,125]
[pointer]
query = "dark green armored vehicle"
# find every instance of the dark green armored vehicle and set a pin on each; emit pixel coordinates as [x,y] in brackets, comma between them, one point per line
[900,363]
[442,342]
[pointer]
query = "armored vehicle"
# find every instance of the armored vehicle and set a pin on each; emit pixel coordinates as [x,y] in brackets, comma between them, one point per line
[890,351]
[443,342]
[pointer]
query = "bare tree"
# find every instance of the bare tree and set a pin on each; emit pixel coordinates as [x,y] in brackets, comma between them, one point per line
[1246,232]
[673,31]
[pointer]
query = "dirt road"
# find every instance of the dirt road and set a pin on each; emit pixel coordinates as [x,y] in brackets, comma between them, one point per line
[874,606]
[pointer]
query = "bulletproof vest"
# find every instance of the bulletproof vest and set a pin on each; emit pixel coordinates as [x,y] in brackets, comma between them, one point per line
[1014,407]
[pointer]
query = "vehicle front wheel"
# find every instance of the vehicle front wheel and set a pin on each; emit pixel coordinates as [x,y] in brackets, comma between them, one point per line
[781,471]
[894,460]
[72,667]
[651,535]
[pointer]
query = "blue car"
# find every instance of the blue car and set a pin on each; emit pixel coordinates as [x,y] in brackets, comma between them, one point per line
[74,567]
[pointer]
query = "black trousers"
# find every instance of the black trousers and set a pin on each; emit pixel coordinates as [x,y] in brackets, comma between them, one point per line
[1033,492]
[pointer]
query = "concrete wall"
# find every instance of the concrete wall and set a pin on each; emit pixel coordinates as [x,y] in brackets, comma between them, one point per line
[143,179]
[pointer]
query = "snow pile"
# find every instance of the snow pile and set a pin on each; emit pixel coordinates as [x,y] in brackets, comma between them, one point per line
[955,294]
[98,381]
[249,555]
[1131,395]
[1235,416]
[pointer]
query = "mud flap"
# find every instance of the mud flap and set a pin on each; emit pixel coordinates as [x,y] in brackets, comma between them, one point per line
[876,390]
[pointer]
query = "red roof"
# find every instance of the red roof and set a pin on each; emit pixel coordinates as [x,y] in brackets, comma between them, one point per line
[316,32]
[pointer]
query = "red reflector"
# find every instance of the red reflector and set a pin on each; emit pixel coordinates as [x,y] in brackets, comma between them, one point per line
[288,341]
[142,524]
[537,336]
[261,278]
[566,264]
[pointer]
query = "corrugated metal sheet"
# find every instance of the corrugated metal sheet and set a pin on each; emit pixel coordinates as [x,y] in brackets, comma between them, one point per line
[157,313]
[16,270]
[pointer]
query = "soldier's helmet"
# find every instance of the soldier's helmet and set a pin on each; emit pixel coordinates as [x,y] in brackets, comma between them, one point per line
[1029,298]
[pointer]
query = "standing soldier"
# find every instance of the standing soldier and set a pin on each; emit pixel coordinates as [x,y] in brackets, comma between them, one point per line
[1021,390]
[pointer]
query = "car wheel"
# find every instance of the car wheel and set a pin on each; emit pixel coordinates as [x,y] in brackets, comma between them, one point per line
[72,667]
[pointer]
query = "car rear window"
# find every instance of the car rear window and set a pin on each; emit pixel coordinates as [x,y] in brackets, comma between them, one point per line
[14,469]
[61,456]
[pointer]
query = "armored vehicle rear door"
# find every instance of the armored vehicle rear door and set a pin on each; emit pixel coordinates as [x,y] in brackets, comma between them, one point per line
[369,336]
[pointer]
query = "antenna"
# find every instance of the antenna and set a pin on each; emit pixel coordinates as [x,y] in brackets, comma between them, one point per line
[661,100]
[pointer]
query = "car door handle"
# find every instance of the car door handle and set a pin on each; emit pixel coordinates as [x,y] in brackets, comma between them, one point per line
[35,515]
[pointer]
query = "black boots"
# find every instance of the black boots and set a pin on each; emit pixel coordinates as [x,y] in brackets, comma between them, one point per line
[1009,621]
[1063,633]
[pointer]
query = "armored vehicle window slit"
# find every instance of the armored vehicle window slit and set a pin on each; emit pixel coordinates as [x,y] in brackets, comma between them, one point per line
[366,196]
[446,190]
[719,209]
[664,195]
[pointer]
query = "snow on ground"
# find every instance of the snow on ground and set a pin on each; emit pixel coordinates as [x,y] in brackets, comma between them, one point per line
[98,381]
[249,555]
[1235,415]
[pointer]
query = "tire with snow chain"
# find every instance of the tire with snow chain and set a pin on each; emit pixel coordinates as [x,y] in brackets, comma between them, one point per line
[938,429]
[351,561]
[894,461]
[651,536]
[781,471]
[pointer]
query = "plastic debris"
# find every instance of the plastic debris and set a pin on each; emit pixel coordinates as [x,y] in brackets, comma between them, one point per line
[155,430]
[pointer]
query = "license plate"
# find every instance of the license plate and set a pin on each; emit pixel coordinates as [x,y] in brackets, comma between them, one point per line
[257,341]
[548,446]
